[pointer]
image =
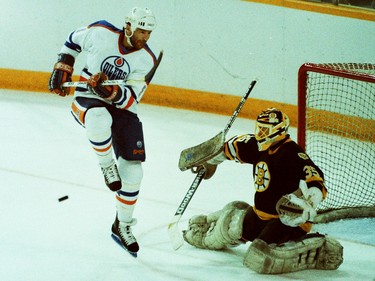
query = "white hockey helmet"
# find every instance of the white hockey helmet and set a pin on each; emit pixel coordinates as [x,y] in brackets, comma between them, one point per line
[271,126]
[141,18]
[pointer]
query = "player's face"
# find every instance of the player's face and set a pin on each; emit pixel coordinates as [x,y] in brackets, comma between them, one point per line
[140,38]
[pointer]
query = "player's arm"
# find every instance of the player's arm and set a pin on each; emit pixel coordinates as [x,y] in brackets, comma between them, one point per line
[110,93]
[213,152]
[314,177]
[125,95]
[296,208]
[62,72]
[64,67]
[300,206]
[241,148]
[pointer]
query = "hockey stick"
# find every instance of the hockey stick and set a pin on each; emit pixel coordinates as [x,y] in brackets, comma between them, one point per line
[174,235]
[192,156]
[148,77]
[84,83]
[239,107]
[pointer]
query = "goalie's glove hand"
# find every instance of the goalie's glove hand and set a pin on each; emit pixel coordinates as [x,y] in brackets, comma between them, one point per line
[106,92]
[62,72]
[209,170]
[300,206]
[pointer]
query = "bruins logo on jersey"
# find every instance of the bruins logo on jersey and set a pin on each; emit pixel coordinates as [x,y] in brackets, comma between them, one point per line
[262,176]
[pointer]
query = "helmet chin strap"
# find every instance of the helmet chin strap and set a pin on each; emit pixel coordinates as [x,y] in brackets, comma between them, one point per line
[128,37]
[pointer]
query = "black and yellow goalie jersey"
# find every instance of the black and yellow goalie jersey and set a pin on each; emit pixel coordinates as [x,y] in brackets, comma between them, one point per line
[277,170]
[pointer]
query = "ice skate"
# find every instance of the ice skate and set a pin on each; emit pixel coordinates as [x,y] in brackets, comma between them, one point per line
[122,234]
[112,177]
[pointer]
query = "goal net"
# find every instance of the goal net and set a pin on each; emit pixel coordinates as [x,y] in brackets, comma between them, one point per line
[336,126]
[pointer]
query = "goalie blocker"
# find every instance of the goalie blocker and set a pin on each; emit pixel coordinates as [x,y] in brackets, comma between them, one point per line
[198,155]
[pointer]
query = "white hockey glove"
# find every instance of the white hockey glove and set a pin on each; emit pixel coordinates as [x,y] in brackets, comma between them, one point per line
[300,206]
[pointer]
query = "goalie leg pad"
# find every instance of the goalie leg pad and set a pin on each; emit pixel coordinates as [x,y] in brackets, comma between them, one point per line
[218,230]
[198,227]
[313,252]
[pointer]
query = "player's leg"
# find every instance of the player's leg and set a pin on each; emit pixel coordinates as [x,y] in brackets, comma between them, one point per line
[95,118]
[131,174]
[274,231]
[279,248]
[128,144]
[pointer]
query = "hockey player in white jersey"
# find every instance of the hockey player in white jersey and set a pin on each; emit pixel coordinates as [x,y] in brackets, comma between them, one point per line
[109,113]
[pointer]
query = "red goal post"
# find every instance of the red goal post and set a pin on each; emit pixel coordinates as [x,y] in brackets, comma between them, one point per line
[336,127]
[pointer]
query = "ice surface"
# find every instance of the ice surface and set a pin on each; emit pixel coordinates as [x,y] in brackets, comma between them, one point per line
[45,155]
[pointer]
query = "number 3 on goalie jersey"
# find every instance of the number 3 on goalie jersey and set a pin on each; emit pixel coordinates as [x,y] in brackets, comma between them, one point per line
[311,172]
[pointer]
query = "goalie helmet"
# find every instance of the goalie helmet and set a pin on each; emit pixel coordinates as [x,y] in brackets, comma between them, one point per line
[271,126]
[141,18]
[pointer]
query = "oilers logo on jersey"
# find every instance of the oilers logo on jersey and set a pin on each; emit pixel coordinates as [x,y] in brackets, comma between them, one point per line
[115,67]
[262,176]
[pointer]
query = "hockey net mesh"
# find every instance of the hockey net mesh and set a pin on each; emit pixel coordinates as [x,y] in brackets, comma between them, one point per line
[339,132]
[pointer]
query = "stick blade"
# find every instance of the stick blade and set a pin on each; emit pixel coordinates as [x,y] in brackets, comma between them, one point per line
[174,234]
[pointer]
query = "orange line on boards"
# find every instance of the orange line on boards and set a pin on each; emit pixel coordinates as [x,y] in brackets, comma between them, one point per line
[158,95]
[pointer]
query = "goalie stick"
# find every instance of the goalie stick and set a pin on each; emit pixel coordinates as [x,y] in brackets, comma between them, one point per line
[174,235]
[191,157]
[148,77]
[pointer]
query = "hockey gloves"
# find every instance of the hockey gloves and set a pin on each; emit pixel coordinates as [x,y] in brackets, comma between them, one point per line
[209,170]
[300,206]
[62,72]
[210,165]
[110,93]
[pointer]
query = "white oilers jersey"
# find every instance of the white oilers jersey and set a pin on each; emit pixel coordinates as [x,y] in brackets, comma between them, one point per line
[102,43]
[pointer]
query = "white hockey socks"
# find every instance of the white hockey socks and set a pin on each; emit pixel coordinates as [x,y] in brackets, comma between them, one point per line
[126,199]
[98,124]
[131,174]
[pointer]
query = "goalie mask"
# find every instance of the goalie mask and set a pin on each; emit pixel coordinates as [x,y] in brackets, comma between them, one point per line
[141,18]
[271,126]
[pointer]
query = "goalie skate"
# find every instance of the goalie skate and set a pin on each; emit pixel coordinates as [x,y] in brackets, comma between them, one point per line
[197,155]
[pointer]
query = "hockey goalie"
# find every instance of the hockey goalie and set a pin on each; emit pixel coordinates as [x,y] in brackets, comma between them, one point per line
[289,187]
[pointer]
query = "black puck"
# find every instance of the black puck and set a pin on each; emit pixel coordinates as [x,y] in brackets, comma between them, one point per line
[63,198]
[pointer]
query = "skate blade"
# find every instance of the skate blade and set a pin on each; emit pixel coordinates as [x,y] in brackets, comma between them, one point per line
[118,241]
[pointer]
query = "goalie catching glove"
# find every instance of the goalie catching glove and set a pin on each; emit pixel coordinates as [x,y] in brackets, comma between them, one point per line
[110,93]
[300,206]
